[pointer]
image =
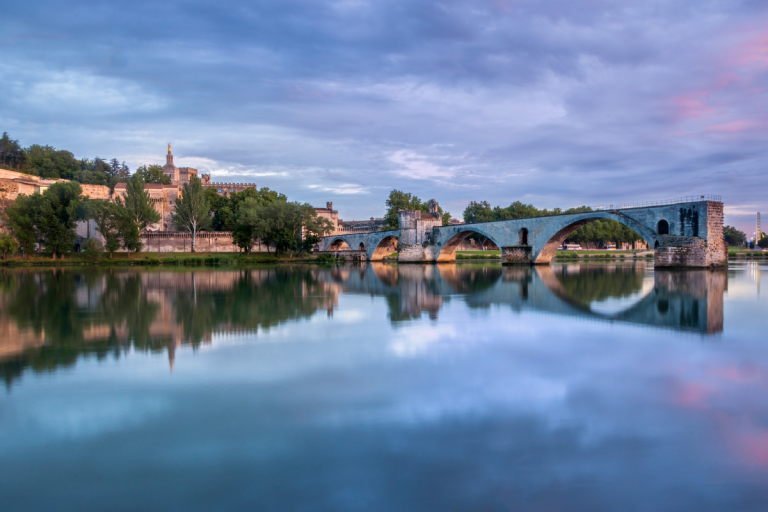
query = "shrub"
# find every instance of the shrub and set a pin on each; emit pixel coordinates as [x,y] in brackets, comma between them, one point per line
[8,244]
[92,249]
[325,258]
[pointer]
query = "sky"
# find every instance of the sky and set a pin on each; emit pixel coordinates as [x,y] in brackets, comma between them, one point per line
[551,102]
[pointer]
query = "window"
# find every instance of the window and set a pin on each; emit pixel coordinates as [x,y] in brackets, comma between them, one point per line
[663,227]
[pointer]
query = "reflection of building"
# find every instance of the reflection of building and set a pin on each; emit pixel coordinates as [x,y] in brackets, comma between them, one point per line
[150,311]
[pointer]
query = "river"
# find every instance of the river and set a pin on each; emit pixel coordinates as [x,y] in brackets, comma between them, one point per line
[456,387]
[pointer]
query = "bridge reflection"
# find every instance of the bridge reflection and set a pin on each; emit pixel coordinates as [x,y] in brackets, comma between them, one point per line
[49,319]
[683,300]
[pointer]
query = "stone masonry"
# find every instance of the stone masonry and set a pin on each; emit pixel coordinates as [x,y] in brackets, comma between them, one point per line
[684,234]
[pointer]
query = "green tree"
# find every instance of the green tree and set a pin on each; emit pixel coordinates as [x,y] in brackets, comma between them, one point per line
[21,217]
[135,213]
[479,212]
[8,244]
[11,154]
[224,209]
[107,218]
[314,227]
[58,214]
[192,211]
[281,223]
[250,224]
[399,200]
[733,236]
[151,174]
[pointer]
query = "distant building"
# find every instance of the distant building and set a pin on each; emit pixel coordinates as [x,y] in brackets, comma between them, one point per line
[329,213]
[163,199]
[344,227]
[181,175]
[178,175]
[371,225]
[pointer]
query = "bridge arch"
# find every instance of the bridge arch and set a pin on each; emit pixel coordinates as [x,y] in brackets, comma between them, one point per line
[339,244]
[383,248]
[550,239]
[448,249]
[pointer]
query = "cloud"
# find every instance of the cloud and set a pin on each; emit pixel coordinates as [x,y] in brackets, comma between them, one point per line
[554,102]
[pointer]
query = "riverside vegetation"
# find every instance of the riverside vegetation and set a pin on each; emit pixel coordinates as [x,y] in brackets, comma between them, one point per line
[47,221]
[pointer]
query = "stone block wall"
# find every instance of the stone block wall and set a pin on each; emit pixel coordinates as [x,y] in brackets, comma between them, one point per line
[718,249]
[516,255]
[95,191]
[410,253]
[681,251]
[349,255]
[705,245]
[10,189]
[180,241]
[225,189]
[416,226]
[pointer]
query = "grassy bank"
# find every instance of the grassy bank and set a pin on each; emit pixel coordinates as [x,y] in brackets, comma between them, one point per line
[160,258]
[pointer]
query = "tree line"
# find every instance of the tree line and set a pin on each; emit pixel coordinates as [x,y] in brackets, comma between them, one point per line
[49,219]
[50,163]
[597,232]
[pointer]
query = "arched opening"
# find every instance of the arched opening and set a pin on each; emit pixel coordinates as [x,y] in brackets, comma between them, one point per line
[549,249]
[387,246]
[663,227]
[448,251]
[656,245]
[362,246]
[338,245]
[524,236]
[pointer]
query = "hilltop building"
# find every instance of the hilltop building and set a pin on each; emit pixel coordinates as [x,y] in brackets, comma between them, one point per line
[181,175]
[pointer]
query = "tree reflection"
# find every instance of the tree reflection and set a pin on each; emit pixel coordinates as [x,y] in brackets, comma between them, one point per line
[48,319]
[599,283]
[61,315]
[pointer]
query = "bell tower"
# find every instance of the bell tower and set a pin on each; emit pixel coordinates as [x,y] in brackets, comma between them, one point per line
[169,169]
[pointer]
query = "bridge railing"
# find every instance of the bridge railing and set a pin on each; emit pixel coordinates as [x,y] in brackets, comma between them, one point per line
[683,199]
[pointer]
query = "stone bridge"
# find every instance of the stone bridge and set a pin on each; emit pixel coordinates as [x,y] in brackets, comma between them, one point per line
[683,234]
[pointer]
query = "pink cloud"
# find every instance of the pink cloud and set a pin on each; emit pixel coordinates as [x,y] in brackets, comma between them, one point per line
[752,53]
[732,126]
[692,105]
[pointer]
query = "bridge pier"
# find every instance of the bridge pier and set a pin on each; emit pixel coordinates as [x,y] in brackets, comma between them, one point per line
[516,255]
[687,252]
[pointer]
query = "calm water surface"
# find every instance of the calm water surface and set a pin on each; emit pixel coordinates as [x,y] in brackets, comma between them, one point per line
[384,388]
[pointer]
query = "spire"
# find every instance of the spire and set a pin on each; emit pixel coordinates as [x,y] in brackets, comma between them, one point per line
[169,148]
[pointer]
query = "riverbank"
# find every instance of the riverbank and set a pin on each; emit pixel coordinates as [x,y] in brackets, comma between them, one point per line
[260,258]
[158,258]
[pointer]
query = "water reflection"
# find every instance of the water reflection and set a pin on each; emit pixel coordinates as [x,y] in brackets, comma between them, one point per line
[50,318]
